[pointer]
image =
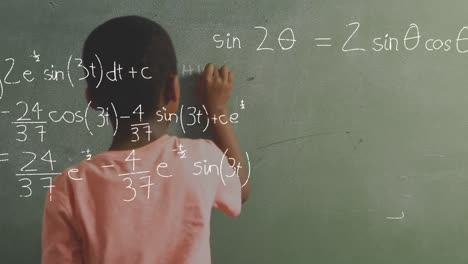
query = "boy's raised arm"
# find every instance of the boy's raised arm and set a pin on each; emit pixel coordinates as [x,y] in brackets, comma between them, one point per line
[213,90]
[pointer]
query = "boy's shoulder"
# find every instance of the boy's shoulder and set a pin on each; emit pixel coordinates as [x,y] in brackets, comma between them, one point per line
[197,146]
[174,143]
[203,143]
[200,146]
[168,143]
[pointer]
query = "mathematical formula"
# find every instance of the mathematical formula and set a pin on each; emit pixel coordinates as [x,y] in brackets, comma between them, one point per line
[31,121]
[162,169]
[411,38]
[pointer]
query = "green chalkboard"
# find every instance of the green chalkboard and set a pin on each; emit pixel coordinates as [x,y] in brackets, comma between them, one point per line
[355,119]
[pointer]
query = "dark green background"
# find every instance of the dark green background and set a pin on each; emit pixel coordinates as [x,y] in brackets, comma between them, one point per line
[338,141]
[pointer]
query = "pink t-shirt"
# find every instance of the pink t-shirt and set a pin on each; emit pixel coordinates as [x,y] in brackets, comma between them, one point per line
[147,206]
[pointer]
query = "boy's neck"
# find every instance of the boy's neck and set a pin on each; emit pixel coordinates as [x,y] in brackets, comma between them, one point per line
[125,138]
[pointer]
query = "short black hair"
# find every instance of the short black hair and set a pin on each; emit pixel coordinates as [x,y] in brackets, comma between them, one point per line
[131,41]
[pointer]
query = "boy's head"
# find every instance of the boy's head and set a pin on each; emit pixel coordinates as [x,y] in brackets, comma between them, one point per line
[137,42]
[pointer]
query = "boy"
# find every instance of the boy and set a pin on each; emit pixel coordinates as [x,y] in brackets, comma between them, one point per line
[140,202]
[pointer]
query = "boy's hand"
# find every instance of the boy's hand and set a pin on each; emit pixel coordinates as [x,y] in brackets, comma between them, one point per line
[214,88]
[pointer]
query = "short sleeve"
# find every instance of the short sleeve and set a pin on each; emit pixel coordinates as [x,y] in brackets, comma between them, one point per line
[228,188]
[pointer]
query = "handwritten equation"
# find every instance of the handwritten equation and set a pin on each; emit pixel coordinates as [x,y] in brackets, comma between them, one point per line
[43,166]
[32,119]
[410,39]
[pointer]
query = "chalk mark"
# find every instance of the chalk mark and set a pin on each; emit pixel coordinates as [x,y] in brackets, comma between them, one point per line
[294,139]
[4,154]
[397,217]
[38,174]
[323,42]
[134,173]
[434,155]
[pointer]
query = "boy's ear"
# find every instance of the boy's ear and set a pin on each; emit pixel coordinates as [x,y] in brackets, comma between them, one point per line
[171,94]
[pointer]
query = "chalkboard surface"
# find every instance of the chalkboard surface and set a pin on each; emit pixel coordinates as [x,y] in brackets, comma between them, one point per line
[354,113]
